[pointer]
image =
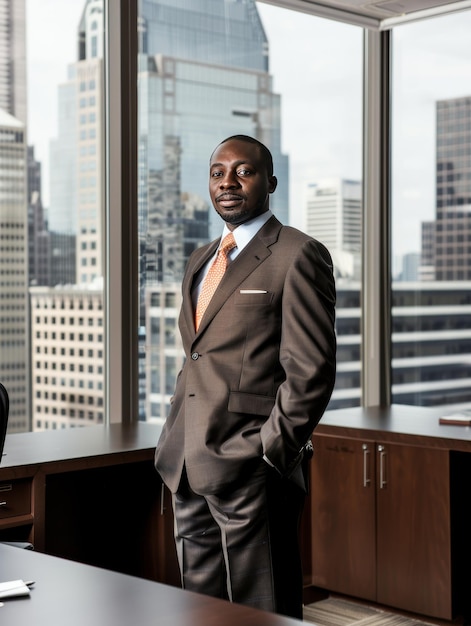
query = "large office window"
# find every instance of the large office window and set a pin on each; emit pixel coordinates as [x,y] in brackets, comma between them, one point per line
[199,79]
[52,213]
[431,212]
[320,80]
[207,69]
[212,69]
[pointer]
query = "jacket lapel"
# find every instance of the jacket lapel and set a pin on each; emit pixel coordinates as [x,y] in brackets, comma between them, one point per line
[246,262]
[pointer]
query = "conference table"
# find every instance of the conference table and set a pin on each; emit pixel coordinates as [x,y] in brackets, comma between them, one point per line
[67,593]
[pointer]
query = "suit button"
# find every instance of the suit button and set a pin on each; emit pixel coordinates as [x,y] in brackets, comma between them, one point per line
[195,356]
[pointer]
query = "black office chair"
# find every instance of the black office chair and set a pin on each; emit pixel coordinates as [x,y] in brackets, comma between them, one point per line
[4,410]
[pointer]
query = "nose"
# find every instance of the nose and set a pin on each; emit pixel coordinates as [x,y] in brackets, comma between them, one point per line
[229,181]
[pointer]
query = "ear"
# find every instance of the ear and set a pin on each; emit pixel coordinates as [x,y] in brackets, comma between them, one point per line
[272,183]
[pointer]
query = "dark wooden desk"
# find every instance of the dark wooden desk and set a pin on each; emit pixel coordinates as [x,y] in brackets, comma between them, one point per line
[95,445]
[91,495]
[73,594]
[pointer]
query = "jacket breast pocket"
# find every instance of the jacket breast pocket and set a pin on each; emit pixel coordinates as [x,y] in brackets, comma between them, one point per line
[253,297]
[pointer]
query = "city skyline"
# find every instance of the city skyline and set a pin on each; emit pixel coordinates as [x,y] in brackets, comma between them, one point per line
[161,161]
[322,149]
[176,95]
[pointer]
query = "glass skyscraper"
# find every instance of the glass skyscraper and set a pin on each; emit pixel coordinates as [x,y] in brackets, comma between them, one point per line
[204,76]
[205,30]
[453,198]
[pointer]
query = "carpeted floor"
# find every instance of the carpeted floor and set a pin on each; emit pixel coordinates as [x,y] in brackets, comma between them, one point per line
[338,612]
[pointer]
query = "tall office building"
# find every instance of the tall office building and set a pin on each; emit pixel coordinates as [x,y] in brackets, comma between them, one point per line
[333,216]
[77,163]
[164,357]
[201,80]
[68,356]
[39,243]
[13,59]
[427,258]
[410,267]
[431,344]
[67,320]
[452,237]
[14,333]
[39,239]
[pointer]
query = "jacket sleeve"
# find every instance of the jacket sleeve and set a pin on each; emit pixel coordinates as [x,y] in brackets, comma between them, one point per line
[307,355]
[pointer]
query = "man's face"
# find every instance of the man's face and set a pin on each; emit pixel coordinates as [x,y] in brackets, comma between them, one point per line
[239,183]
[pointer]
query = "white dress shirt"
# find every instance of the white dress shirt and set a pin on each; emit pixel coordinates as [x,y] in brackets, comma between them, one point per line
[243,234]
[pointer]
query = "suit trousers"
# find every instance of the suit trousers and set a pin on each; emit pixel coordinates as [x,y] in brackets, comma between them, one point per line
[243,544]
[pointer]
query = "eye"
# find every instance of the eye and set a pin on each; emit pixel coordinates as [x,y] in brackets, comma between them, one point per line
[243,171]
[216,174]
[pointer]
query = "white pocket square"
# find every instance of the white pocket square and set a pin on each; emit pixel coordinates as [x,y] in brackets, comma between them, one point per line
[253,291]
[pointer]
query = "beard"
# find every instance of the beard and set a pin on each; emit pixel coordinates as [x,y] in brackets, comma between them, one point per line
[238,216]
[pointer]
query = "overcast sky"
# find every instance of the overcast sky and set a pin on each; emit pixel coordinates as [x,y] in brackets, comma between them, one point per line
[317,67]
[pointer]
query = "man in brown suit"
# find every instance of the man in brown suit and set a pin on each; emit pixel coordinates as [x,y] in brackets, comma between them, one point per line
[258,375]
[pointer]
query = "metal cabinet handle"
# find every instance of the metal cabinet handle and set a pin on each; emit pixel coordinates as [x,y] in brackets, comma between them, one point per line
[366,472]
[3,503]
[382,469]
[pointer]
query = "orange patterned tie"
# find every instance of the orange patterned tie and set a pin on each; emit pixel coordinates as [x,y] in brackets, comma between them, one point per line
[213,277]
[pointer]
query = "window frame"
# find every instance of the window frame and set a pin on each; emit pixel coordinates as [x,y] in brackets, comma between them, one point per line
[121,283]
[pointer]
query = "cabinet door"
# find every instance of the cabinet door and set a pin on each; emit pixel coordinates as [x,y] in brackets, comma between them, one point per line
[343,516]
[413,529]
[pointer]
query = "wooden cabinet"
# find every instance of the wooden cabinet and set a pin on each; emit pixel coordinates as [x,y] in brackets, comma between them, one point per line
[343,553]
[380,518]
[413,529]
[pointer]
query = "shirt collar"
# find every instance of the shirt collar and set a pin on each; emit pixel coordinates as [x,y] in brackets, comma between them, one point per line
[246,231]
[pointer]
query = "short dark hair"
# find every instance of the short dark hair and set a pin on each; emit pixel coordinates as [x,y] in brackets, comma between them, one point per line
[267,156]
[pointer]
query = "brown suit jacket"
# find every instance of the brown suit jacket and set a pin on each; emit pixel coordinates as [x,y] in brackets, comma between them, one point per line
[260,371]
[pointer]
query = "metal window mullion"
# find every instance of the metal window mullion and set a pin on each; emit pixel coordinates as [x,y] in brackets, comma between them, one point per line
[121,276]
[376,281]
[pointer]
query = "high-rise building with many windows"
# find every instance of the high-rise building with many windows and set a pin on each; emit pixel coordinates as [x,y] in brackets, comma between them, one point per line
[430,345]
[67,347]
[67,317]
[201,80]
[77,154]
[333,215]
[450,250]
[14,331]
[13,58]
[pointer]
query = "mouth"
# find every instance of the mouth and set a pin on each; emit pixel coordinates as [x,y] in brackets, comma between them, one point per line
[228,200]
